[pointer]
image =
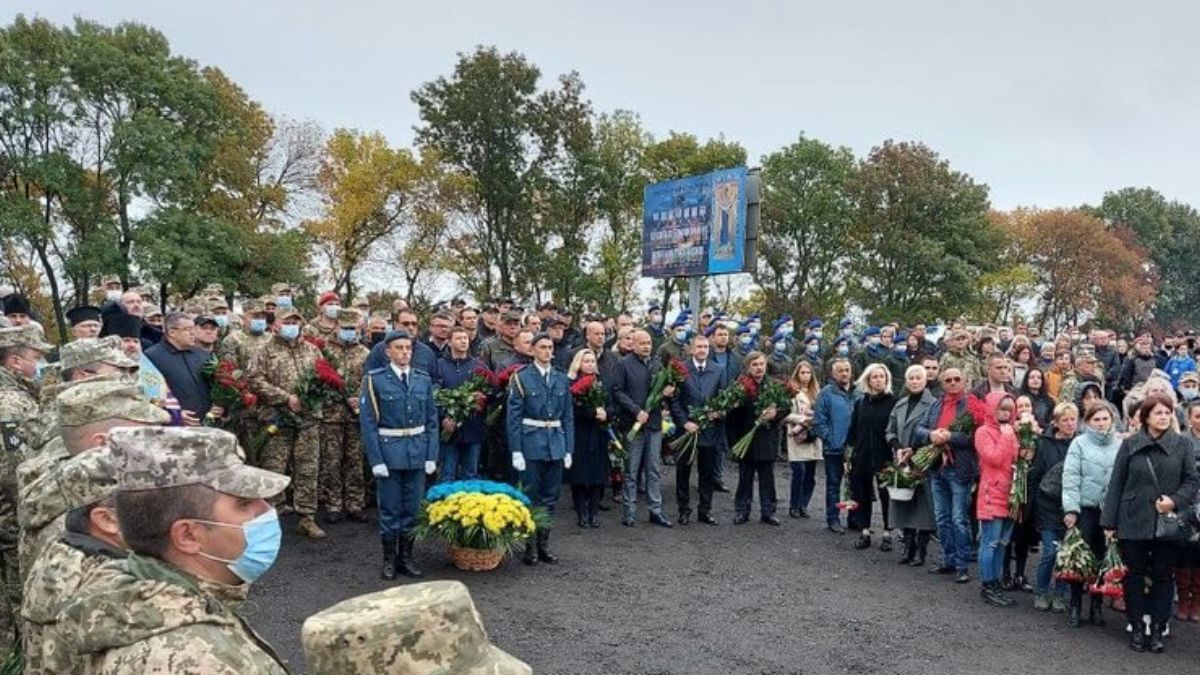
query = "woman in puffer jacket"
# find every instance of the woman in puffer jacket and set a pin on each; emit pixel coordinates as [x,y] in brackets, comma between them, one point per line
[997,446]
[1086,474]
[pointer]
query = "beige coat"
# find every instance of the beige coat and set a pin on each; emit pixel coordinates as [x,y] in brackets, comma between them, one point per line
[802,445]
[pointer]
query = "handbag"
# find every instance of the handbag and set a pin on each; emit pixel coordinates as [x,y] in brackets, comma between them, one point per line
[1167,526]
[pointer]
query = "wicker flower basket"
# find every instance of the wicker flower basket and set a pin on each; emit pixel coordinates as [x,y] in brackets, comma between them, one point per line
[899,494]
[476,559]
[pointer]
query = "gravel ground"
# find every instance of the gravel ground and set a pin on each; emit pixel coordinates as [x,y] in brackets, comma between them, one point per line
[729,599]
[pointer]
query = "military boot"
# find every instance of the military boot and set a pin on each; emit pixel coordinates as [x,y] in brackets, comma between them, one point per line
[405,562]
[309,528]
[543,548]
[389,559]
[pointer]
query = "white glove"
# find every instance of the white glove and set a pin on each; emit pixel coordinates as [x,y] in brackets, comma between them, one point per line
[566,461]
[430,467]
[518,461]
[379,471]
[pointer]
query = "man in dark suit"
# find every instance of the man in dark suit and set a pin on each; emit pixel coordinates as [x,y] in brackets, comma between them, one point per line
[705,380]
[631,389]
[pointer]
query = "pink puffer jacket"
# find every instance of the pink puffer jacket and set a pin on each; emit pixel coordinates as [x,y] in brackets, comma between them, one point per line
[997,448]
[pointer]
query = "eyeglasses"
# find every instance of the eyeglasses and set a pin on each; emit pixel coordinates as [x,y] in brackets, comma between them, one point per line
[951,379]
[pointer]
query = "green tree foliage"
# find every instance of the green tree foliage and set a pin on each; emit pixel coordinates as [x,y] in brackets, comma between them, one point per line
[806,216]
[922,234]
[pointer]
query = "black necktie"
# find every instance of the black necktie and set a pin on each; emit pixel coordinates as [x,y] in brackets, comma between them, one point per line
[404,378]
[700,368]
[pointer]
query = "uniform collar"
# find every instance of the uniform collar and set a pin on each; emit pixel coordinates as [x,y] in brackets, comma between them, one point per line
[400,372]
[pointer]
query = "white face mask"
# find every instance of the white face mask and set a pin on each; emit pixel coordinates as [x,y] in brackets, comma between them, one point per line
[112,296]
[331,311]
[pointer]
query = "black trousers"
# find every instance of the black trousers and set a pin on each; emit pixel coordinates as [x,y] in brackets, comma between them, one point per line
[747,470]
[706,465]
[862,490]
[1149,586]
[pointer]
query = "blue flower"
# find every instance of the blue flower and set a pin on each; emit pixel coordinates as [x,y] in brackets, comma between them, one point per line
[487,487]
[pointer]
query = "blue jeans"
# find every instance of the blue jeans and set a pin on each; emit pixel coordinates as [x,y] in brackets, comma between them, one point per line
[804,481]
[833,485]
[993,537]
[952,511]
[455,457]
[1045,568]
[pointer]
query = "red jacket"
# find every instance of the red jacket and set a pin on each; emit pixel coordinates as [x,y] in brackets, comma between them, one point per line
[997,448]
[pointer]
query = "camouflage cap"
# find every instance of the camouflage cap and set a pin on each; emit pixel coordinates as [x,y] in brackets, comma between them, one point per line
[97,400]
[94,350]
[348,317]
[288,313]
[151,310]
[215,302]
[360,303]
[150,458]
[253,307]
[110,279]
[24,336]
[214,289]
[281,289]
[431,627]
[87,478]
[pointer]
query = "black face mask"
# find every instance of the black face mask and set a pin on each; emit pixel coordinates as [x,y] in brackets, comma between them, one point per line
[270,317]
[377,337]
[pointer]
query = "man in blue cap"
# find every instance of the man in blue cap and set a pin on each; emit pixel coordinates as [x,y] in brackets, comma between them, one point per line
[654,325]
[812,354]
[816,328]
[879,350]
[780,361]
[842,349]
[676,345]
[754,323]
[745,341]
[785,327]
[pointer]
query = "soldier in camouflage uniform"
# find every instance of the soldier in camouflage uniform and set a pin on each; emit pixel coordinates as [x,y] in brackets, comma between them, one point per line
[341,480]
[958,355]
[199,532]
[22,351]
[431,627]
[86,413]
[273,374]
[325,326]
[85,551]
[241,345]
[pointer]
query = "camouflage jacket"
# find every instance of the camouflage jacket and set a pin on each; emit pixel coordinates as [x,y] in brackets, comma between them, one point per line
[241,347]
[18,403]
[275,370]
[966,363]
[50,645]
[326,333]
[42,508]
[349,360]
[151,617]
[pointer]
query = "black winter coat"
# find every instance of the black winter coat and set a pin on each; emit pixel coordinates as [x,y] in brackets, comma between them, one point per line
[1050,451]
[765,445]
[1129,503]
[589,462]
[868,434]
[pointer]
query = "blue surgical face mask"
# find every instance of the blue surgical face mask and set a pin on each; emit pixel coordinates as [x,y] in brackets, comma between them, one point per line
[347,335]
[843,350]
[1189,393]
[818,334]
[263,537]
[848,331]
[39,369]
[222,320]
[873,341]
[258,326]
[681,336]
[283,302]
[755,328]
[331,311]
[289,331]
[813,348]
[780,347]
[787,329]
[112,296]
[745,340]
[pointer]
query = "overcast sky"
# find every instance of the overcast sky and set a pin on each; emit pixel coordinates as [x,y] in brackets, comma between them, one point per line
[1049,103]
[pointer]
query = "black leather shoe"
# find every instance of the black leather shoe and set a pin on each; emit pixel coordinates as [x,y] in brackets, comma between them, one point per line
[706,519]
[720,487]
[962,577]
[793,513]
[1138,641]
[543,548]
[531,557]
[1156,639]
[836,528]
[404,564]
[771,520]
[864,542]
[804,513]
[684,518]
[604,507]
[358,516]
[942,569]
[388,572]
[660,520]
[627,522]
[334,517]
[741,518]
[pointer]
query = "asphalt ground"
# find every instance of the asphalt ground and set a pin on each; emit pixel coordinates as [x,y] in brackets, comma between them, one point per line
[748,598]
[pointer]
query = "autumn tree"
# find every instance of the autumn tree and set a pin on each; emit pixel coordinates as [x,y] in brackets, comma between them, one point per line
[621,177]
[365,187]
[1085,269]
[807,212]
[922,235]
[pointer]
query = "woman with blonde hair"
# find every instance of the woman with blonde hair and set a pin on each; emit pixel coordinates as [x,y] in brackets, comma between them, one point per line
[804,448]
[590,466]
[870,451]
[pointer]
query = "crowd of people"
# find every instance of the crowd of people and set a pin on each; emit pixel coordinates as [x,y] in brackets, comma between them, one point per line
[128,465]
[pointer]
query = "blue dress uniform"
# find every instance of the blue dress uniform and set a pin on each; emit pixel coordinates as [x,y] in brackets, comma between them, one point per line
[541,426]
[399,423]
